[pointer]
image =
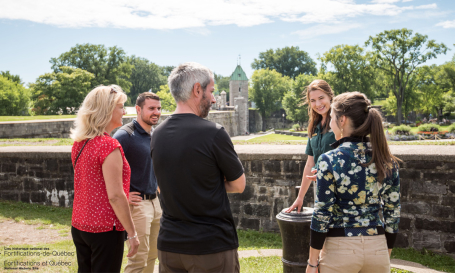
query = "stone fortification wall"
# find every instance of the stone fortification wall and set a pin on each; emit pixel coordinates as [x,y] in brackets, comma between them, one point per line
[61,128]
[255,122]
[44,175]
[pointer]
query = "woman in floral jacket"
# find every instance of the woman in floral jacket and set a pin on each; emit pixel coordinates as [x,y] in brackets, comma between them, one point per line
[354,182]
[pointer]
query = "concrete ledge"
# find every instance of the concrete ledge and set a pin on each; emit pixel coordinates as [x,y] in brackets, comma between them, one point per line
[260,152]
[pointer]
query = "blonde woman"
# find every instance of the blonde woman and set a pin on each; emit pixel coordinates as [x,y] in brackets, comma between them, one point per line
[101,184]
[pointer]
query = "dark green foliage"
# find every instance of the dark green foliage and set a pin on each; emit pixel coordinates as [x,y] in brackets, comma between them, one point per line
[145,76]
[61,92]
[397,53]
[108,65]
[289,61]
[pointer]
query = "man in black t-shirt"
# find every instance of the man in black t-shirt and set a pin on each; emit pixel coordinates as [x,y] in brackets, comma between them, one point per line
[195,165]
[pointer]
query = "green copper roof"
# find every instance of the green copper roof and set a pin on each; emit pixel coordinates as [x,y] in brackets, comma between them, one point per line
[238,74]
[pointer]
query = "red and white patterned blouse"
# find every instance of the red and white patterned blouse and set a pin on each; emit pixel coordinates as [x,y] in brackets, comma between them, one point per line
[92,211]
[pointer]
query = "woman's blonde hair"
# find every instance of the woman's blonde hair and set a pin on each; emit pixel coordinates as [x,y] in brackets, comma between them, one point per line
[96,111]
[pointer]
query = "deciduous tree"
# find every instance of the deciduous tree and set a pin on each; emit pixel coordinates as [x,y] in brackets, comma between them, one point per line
[108,65]
[267,91]
[14,98]
[289,61]
[398,53]
[293,102]
[61,92]
[145,75]
[350,69]
[167,100]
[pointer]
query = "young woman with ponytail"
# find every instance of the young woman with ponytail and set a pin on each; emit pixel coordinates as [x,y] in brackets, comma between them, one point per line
[354,181]
[319,96]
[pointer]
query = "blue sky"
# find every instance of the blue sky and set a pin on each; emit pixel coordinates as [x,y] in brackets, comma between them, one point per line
[211,32]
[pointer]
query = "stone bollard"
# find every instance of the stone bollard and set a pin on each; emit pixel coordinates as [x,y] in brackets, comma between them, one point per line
[295,234]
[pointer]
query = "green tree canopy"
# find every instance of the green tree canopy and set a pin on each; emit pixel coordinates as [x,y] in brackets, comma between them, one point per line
[145,76]
[222,84]
[61,92]
[398,53]
[166,70]
[351,70]
[14,98]
[109,66]
[267,91]
[167,100]
[11,77]
[289,61]
[293,99]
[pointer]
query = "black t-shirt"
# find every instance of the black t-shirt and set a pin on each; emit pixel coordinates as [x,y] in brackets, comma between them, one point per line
[191,157]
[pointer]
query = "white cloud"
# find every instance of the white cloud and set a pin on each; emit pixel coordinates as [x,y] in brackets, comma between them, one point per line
[404,1]
[385,1]
[447,24]
[320,30]
[188,14]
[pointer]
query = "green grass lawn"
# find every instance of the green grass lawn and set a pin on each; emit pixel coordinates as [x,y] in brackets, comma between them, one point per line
[274,139]
[36,141]
[278,139]
[24,118]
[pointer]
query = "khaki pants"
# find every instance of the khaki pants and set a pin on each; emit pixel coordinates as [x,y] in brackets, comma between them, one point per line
[222,262]
[360,254]
[146,218]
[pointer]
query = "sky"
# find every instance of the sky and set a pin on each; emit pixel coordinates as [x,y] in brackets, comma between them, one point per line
[211,32]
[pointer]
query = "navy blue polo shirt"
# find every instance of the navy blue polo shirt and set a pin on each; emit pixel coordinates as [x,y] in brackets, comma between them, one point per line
[137,151]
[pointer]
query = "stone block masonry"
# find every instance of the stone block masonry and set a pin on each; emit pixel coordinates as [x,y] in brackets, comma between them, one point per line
[61,128]
[44,175]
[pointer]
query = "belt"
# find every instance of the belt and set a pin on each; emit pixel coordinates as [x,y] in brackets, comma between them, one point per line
[340,232]
[148,196]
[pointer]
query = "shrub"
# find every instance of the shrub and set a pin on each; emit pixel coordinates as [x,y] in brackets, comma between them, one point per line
[296,127]
[451,128]
[429,127]
[401,130]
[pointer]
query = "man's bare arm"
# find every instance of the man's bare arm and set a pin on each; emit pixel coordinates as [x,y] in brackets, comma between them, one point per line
[236,186]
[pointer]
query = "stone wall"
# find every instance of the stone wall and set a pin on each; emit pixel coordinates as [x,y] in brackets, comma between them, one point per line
[61,128]
[44,175]
[255,122]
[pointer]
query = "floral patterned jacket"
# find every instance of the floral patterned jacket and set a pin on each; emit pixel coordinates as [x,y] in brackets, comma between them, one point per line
[349,195]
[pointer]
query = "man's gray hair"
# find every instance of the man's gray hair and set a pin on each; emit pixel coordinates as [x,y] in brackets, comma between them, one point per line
[185,76]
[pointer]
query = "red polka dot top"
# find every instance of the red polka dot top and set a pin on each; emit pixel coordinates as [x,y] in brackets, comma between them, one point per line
[92,211]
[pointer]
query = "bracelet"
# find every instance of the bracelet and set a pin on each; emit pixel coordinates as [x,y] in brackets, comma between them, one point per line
[135,235]
[313,266]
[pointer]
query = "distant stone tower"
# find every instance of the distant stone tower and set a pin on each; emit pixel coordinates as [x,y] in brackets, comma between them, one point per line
[238,97]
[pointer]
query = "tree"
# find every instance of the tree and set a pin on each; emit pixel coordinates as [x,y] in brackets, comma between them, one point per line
[398,53]
[108,66]
[62,92]
[351,70]
[222,84]
[267,91]
[293,102]
[166,98]
[289,61]
[145,76]
[14,98]
[166,70]
[13,78]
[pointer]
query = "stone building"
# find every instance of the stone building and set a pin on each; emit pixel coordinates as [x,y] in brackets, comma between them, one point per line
[238,97]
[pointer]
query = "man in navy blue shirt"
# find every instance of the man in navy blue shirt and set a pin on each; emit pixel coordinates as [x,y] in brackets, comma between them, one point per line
[135,138]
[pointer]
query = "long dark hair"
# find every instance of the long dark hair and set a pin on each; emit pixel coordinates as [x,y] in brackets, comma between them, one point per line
[366,121]
[315,118]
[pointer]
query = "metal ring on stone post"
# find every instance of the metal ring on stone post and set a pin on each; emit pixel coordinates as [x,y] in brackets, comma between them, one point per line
[295,234]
